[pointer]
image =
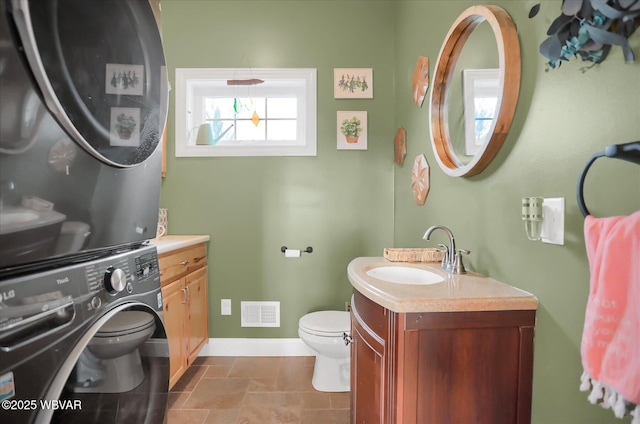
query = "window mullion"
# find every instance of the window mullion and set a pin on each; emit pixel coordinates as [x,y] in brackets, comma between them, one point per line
[266,119]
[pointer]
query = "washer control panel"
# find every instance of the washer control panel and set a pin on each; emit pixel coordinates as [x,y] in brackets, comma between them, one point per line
[38,304]
[119,276]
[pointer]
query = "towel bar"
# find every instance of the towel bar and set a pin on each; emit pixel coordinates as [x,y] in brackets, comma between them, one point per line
[627,151]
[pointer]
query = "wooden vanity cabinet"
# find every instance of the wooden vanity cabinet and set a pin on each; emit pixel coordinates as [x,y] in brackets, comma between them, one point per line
[369,364]
[440,367]
[183,277]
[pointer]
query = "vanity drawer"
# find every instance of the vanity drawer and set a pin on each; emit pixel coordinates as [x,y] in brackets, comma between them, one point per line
[370,314]
[180,262]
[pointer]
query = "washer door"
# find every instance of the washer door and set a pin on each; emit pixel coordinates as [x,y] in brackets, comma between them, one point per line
[101,71]
[143,402]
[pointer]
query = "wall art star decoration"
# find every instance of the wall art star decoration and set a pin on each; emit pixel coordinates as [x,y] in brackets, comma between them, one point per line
[420,179]
[420,80]
[400,146]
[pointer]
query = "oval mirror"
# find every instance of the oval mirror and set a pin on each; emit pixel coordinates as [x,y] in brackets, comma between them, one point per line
[475,90]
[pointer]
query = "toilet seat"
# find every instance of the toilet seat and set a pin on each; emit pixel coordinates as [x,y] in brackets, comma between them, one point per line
[111,361]
[126,322]
[326,323]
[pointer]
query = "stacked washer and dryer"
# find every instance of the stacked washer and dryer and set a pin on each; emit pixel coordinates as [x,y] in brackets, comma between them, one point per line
[83,103]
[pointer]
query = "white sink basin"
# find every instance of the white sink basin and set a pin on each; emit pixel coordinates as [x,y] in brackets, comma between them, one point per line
[17,216]
[405,275]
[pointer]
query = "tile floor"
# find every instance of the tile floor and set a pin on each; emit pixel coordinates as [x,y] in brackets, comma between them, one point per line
[256,390]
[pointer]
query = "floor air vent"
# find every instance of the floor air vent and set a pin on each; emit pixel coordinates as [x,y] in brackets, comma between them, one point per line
[260,314]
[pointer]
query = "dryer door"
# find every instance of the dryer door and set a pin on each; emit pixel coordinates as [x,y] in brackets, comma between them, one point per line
[101,71]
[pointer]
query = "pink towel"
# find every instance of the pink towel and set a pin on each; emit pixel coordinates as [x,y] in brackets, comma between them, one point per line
[611,337]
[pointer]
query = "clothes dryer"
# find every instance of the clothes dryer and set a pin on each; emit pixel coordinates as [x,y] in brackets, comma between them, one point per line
[82,112]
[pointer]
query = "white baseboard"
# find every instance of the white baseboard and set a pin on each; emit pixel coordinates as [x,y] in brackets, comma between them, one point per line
[256,347]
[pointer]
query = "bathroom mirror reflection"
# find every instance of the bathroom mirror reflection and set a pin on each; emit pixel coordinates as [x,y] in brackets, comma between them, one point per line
[475,90]
[474,93]
[481,98]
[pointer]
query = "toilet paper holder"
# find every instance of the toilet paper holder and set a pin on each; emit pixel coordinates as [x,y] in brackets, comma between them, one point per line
[309,249]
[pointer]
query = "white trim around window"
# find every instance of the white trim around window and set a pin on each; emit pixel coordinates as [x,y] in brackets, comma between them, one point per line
[197,86]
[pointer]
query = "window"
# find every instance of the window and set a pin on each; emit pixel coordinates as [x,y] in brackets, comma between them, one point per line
[481,94]
[245,112]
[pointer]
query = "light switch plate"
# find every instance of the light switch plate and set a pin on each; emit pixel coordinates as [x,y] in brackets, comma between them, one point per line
[553,221]
[225,306]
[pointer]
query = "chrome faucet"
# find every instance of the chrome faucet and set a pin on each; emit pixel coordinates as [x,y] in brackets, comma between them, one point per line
[452,259]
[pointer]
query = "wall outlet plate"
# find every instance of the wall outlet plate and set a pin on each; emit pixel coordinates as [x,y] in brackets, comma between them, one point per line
[225,306]
[553,221]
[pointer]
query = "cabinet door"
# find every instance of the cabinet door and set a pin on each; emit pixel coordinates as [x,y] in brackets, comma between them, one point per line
[468,367]
[197,316]
[367,377]
[174,299]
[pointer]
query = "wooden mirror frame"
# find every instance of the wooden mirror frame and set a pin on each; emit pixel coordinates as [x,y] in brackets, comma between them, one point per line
[509,56]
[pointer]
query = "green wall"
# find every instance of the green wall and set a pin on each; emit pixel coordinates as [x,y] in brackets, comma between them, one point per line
[563,116]
[340,202]
[354,203]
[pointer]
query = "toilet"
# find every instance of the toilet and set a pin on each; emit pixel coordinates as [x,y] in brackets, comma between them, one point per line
[323,332]
[111,362]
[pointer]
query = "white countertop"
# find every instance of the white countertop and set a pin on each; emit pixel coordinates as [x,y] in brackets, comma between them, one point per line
[173,242]
[465,292]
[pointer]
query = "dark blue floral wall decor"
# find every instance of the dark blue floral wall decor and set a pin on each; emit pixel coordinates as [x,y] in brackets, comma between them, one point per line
[588,28]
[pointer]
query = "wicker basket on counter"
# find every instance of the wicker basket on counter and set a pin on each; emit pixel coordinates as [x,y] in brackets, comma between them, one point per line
[427,254]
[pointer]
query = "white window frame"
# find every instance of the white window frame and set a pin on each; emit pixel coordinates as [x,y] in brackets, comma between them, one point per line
[478,83]
[191,84]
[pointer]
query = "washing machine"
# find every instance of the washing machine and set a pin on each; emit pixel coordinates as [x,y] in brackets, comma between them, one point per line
[85,343]
[83,107]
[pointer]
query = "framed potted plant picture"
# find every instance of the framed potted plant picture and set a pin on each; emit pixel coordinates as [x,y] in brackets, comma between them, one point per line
[352,130]
[125,126]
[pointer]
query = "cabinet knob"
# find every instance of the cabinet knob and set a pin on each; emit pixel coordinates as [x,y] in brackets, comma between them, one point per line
[347,339]
[184,263]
